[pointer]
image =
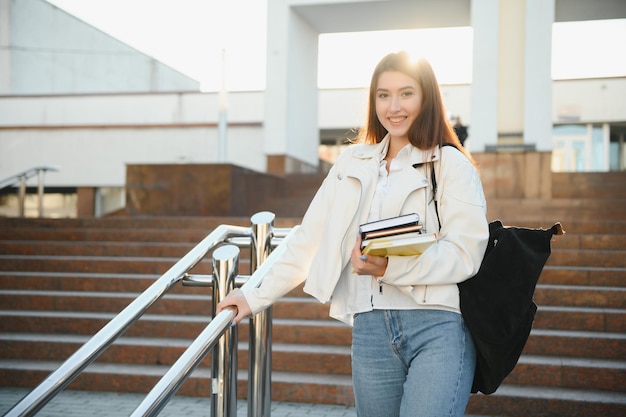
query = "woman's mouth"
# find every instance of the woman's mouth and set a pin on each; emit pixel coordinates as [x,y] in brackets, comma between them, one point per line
[396,120]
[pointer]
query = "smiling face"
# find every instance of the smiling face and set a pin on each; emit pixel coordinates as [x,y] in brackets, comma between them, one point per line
[398,103]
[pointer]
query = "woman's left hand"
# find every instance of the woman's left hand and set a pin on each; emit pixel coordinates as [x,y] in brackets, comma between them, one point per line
[367,264]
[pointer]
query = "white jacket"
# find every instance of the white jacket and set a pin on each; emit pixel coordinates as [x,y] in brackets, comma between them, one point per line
[319,251]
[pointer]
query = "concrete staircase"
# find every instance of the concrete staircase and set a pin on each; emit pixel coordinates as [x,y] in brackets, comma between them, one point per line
[61,280]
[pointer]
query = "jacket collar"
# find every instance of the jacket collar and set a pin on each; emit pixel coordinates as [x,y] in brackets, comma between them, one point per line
[420,157]
[417,157]
[410,178]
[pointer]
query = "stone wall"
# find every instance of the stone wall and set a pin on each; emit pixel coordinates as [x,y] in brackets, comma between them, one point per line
[515,174]
[196,189]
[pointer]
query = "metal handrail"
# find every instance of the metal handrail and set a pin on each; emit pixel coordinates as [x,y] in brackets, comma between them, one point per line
[92,349]
[29,173]
[168,385]
[21,178]
[225,268]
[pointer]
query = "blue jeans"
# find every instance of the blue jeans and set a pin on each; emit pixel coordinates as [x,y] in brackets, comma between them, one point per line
[411,363]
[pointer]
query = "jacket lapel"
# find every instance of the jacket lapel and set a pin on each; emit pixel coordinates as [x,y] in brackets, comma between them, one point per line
[411,178]
[364,168]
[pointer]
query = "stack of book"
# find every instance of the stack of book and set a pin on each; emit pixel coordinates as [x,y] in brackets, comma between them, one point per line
[396,236]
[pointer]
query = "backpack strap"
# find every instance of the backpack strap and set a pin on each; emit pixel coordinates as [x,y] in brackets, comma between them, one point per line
[433,181]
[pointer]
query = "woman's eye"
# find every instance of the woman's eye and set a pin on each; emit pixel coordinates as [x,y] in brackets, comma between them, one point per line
[383,95]
[407,93]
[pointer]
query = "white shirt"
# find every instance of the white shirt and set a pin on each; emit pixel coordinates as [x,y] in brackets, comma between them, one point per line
[384,296]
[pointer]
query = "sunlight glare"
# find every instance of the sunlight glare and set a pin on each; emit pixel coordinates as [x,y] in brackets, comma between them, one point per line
[346,60]
[588,49]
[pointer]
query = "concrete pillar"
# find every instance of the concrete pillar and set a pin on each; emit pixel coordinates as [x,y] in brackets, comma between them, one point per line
[85,201]
[511,71]
[538,74]
[606,146]
[484,99]
[512,85]
[291,122]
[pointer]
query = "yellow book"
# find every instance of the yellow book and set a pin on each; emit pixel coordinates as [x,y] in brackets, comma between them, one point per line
[400,245]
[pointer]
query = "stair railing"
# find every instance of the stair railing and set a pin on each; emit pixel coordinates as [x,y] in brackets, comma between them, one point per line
[21,178]
[261,238]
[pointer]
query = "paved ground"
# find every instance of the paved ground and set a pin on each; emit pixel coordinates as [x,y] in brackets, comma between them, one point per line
[114,404]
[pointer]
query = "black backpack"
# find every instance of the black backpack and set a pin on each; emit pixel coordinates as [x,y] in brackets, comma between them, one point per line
[497,303]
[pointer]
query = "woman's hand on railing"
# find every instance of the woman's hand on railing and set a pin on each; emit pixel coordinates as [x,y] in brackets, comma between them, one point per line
[235,300]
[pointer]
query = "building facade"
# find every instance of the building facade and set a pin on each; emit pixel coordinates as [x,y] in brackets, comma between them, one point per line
[92,122]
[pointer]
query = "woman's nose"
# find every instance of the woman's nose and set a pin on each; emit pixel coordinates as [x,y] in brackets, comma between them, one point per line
[394,106]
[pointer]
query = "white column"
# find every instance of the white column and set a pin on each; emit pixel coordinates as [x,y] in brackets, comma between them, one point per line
[291,122]
[483,129]
[606,141]
[537,74]
[511,71]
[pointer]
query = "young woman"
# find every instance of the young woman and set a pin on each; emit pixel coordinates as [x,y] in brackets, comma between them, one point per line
[411,352]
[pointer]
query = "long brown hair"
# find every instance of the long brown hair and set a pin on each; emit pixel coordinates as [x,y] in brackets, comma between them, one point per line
[431,128]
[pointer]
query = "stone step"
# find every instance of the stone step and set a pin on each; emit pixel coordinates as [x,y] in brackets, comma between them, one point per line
[304,307]
[129,265]
[295,305]
[97,264]
[580,296]
[589,241]
[574,358]
[300,307]
[198,303]
[80,281]
[525,401]
[291,331]
[547,210]
[590,185]
[573,228]
[309,358]
[588,257]
[286,386]
[598,345]
[583,276]
[564,372]
[608,375]
[136,283]
[519,212]
[133,274]
[591,344]
[574,203]
[580,319]
[105,235]
[525,212]
[146,222]
[560,256]
[508,400]
[86,248]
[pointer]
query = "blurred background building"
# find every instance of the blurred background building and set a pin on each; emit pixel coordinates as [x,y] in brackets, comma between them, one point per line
[74,97]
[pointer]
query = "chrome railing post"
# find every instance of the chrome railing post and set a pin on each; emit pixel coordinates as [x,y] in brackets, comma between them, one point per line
[260,339]
[20,178]
[40,175]
[21,195]
[224,358]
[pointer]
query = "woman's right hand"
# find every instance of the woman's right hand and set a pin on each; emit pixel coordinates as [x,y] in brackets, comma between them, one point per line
[235,300]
